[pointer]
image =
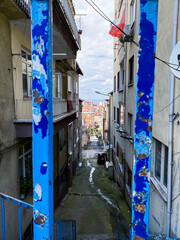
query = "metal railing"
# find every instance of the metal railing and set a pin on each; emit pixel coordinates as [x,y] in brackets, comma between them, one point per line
[20,205]
[63,229]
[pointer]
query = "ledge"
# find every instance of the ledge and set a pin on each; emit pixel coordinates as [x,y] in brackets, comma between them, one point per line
[160,189]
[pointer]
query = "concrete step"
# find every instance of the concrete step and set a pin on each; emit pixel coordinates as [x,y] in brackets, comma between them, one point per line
[97,237]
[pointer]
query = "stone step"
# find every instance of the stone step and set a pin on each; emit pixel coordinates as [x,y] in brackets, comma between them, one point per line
[97,237]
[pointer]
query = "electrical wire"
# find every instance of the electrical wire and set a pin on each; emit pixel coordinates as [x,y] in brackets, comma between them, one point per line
[168,63]
[168,104]
[100,12]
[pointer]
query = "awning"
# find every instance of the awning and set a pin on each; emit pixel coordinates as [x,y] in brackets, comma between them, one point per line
[114,31]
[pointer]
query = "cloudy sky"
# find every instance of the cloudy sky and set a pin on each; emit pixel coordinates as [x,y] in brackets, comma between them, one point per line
[96,55]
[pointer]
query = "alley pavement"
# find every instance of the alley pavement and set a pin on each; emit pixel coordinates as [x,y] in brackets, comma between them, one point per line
[94,201]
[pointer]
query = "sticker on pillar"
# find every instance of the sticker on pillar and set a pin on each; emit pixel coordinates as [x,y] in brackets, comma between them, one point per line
[36,115]
[37,192]
[43,168]
[40,218]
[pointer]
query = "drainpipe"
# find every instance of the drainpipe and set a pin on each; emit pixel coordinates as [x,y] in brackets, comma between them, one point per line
[170,140]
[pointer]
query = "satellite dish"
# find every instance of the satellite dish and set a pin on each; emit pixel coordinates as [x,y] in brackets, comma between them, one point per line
[175,60]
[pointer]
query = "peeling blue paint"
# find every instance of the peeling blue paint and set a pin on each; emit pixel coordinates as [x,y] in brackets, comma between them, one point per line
[43,168]
[144,118]
[41,44]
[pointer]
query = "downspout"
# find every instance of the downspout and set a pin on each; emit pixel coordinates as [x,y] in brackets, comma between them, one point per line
[170,140]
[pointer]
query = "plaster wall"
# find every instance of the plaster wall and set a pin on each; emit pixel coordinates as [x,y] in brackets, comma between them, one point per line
[7,130]
[161,120]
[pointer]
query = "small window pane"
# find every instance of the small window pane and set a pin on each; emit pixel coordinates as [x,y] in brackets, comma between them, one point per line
[28,146]
[158,160]
[21,173]
[20,151]
[23,53]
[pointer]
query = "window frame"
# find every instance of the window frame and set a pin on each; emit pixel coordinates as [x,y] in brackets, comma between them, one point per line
[164,157]
[28,64]
[114,113]
[69,84]
[130,124]
[121,112]
[59,83]
[133,12]
[23,156]
[131,71]
[115,83]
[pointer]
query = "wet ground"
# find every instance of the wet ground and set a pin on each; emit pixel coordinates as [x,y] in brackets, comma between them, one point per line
[94,201]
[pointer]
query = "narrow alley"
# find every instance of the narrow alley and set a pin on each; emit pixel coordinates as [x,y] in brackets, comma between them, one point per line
[94,201]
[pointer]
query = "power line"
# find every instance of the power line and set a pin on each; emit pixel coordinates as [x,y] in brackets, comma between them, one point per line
[168,63]
[100,12]
[168,104]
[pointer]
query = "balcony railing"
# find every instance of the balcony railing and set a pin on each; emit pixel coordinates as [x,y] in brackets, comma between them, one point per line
[62,229]
[24,108]
[71,21]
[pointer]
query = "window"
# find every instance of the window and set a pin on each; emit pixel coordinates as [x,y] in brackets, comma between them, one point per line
[118,116]
[130,124]
[129,177]
[61,139]
[114,143]
[121,116]
[133,11]
[119,155]
[57,85]
[69,83]
[131,70]
[25,168]
[114,83]
[121,76]
[114,113]
[77,88]
[70,139]
[161,162]
[26,74]
[118,81]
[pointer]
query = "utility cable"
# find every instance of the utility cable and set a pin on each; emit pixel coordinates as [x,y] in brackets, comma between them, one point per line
[168,104]
[100,12]
[168,63]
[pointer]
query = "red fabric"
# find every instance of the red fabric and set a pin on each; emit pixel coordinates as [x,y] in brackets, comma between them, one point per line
[114,31]
[69,105]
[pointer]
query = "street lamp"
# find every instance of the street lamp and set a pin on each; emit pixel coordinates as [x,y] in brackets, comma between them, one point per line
[109,121]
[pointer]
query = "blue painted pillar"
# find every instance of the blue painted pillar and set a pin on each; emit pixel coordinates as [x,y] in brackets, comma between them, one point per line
[144,118]
[41,46]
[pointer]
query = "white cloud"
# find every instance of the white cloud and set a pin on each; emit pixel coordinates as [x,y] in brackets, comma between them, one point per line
[96,56]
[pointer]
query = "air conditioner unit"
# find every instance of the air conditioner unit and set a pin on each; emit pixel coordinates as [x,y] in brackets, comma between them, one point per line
[127,37]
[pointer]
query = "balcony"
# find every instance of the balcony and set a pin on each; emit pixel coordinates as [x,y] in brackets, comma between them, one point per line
[23,116]
[70,18]
[66,38]
[24,109]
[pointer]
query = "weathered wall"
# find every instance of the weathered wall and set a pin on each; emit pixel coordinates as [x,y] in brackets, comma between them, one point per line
[161,123]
